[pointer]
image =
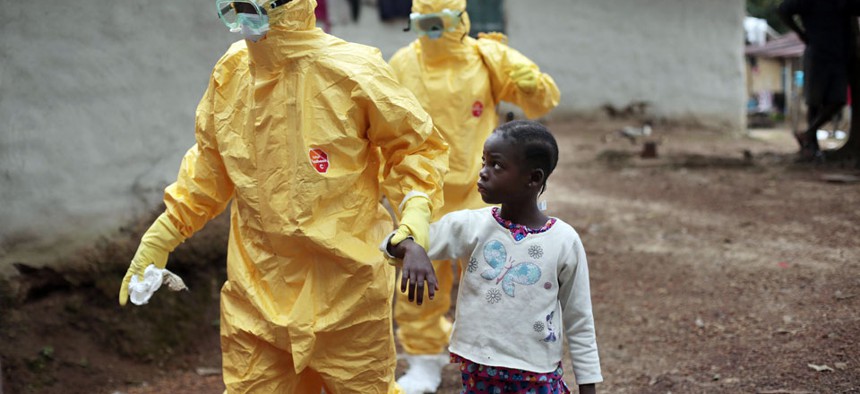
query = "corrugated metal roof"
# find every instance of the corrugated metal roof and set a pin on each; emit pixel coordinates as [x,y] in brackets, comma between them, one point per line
[787,45]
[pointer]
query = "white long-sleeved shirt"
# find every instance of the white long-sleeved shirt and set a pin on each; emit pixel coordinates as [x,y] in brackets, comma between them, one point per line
[517,299]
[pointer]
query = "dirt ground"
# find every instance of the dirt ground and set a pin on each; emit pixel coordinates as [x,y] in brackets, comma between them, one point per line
[719,266]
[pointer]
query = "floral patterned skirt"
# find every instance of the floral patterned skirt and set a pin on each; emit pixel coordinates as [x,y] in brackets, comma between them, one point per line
[479,379]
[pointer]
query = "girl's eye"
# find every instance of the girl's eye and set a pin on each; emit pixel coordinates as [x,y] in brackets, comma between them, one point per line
[497,166]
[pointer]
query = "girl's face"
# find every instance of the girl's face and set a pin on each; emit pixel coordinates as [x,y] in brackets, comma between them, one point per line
[503,177]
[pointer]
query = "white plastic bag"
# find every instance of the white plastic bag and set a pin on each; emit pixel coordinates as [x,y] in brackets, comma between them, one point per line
[140,291]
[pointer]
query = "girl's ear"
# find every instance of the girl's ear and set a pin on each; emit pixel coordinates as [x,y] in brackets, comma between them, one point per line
[537,177]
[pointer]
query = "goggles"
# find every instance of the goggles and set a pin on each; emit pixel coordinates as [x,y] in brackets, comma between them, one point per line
[433,25]
[248,13]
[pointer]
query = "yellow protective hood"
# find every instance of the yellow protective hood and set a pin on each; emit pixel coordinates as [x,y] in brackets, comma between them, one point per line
[292,35]
[295,15]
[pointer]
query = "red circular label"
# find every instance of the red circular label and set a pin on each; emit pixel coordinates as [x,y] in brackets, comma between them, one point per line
[477,109]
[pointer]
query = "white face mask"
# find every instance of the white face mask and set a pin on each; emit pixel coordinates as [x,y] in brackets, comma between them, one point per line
[253,34]
[252,27]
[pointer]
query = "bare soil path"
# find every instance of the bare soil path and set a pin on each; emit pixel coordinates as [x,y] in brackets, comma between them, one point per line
[719,266]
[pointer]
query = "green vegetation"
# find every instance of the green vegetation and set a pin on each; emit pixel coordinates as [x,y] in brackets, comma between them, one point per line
[766,9]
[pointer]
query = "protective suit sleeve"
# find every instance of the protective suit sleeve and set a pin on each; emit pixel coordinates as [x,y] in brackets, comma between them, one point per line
[415,157]
[511,71]
[203,187]
[201,191]
[414,222]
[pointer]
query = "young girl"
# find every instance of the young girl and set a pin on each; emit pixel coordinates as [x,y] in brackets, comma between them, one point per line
[460,81]
[524,287]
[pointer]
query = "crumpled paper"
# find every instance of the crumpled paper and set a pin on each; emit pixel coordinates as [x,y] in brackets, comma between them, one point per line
[140,291]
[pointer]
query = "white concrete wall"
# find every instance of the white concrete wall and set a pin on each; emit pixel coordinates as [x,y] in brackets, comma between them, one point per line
[684,57]
[97,104]
[97,97]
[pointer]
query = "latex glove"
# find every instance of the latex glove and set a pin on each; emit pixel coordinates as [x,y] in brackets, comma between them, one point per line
[526,77]
[157,242]
[414,222]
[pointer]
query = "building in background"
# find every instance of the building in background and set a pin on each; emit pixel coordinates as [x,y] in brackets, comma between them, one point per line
[772,71]
[95,117]
[682,59]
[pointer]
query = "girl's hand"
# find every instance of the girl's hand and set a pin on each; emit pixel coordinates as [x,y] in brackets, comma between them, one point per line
[416,270]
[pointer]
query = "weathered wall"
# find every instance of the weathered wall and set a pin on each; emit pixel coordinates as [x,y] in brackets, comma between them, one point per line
[683,57]
[97,97]
[97,102]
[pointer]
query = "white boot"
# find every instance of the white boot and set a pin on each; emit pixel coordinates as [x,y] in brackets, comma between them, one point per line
[424,374]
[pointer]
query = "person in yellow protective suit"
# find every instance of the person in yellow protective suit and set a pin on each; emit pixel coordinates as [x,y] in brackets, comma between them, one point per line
[288,130]
[459,81]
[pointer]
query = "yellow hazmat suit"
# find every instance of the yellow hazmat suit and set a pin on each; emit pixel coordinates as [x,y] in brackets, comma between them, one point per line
[460,81]
[288,130]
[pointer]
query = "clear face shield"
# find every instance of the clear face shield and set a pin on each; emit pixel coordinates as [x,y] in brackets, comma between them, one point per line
[246,16]
[235,14]
[435,24]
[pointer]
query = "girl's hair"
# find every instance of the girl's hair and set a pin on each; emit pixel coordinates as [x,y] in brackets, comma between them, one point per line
[536,142]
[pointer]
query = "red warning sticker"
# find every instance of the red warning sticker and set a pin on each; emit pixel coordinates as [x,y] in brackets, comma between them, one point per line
[477,109]
[319,159]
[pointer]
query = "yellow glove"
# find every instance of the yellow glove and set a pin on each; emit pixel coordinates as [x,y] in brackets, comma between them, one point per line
[414,222]
[526,77]
[157,242]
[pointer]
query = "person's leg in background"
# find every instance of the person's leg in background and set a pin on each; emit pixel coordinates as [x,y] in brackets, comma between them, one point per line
[825,98]
[818,118]
[424,331]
